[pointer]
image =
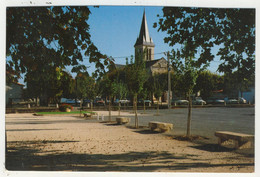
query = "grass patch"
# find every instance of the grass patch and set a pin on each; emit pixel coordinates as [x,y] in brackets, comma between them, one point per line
[72,112]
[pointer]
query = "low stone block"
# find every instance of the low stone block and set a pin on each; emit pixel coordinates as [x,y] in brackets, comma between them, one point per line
[242,140]
[122,120]
[87,115]
[160,126]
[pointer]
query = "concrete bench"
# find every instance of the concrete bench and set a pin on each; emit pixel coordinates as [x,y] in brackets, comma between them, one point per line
[160,126]
[86,115]
[122,120]
[241,140]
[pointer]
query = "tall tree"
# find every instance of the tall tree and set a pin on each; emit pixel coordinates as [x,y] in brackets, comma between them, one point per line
[121,92]
[85,86]
[136,75]
[37,81]
[233,30]
[44,38]
[107,87]
[194,31]
[158,88]
[207,82]
[187,70]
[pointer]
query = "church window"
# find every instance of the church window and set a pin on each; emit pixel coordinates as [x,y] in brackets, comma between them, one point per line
[150,54]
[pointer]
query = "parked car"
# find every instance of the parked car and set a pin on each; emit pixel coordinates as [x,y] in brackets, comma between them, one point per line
[242,100]
[210,100]
[232,101]
[180,102]
[124,101]
[198,101]
[86,101]
[215,101]
[144,101]
[99,102]
[219,101]
[72,101]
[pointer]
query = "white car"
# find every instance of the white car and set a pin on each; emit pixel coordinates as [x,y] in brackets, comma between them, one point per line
[242,100]
[199,101]
[219,101]
[232,101]
[124,101]
[181,102]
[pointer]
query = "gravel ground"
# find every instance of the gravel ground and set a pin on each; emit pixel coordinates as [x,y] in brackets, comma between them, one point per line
[71,143]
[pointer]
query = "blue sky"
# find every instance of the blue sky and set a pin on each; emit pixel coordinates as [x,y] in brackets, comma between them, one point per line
[114,30]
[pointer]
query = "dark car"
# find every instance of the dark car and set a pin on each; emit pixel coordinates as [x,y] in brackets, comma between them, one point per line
[99,102]
[86,102]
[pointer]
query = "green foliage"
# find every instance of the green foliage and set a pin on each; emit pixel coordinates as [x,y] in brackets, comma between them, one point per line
[51,85]
[200,29]
[190,77]
[106,85]
[121,90]
[67,85]
[186,71]
[41,39]
[136,75]
[208,82]
[158,83]
[233,84]
[85,86]
[59,33]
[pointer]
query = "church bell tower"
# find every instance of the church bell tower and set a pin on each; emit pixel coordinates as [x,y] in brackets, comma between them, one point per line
[144,46]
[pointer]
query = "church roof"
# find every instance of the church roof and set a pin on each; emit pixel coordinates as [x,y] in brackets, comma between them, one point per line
[147,63]
[152,62]
[118,66]
[144,37]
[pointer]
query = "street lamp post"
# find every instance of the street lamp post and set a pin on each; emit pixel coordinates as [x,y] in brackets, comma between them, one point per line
[169,81]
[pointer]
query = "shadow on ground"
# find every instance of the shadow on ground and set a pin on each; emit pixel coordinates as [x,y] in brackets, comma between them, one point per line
[213,148]
[21,130]
[27,156]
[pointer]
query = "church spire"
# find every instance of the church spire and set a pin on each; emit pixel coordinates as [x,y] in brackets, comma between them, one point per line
[144,37]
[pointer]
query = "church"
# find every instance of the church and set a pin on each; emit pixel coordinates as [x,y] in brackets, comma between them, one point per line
[144,46]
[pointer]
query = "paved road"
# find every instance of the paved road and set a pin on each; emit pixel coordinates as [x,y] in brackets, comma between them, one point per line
[205,121]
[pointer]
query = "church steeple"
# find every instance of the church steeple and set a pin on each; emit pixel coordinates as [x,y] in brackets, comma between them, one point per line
[144,44]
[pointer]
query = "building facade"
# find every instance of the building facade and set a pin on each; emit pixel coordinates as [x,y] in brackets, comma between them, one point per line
[13,93]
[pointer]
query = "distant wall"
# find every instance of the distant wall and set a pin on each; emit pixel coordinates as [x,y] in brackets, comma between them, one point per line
[13,91]
[249,95]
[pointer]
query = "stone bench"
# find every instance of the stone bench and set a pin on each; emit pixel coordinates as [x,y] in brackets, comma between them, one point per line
[86,115]
[241,140]
[160,126]
[122,120]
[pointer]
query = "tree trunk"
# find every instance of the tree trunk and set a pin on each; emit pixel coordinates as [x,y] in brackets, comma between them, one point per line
[37,101]
[189,118]
[109,108]
[158,107]
[119,108]
[135,110]
[144,107]
[81,108]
